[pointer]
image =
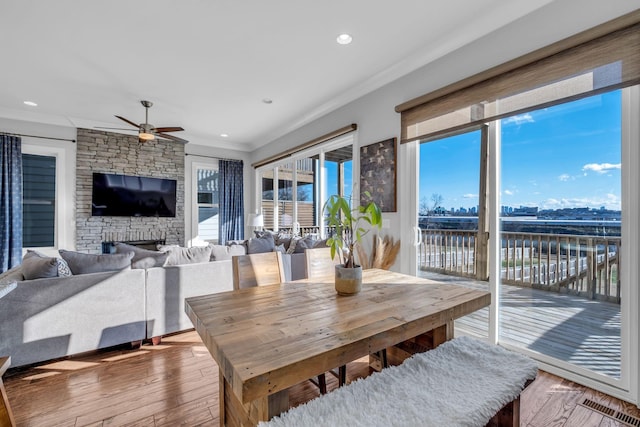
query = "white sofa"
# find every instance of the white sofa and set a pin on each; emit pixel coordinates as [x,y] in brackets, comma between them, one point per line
[44,319]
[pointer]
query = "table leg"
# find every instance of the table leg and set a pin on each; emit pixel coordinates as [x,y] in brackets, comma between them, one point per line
[234,413]
[424,342]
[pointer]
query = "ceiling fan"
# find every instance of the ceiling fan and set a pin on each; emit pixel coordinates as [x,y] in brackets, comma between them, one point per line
[148,132]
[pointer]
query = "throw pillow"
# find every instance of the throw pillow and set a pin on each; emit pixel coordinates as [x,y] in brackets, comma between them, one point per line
[266,233]
[39,266]
[292,245]
[194,255]
[81,263]
[322,243]
[142,258]
[224,252]
[260,244]
[304,243]
[12,275]
[36,267]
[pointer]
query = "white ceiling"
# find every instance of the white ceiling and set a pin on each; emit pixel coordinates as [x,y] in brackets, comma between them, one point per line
[208,64]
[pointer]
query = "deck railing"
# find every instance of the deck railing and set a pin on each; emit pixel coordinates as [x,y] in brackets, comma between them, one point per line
[588,266]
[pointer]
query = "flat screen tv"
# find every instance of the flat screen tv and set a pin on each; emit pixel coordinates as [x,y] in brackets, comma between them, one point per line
[124,195]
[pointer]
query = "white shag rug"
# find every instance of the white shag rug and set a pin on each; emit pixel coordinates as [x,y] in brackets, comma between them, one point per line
[462,382]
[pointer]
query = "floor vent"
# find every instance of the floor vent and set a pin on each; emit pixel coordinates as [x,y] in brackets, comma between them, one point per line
[610,412]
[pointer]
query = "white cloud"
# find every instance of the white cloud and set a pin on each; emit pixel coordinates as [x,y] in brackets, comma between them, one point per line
[609,201]
[470,196]
[564,177]
[601,167]
[519,119]
[508,192]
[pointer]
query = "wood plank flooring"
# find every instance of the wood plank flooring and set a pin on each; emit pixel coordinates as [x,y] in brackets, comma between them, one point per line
[176,383]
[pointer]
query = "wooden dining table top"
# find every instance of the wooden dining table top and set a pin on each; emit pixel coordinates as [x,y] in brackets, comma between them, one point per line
[268,338]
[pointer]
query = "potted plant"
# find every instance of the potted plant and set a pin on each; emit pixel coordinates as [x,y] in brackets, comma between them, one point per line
[348,223]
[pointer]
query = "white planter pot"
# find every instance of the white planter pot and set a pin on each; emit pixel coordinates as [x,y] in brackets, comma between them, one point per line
[348,280]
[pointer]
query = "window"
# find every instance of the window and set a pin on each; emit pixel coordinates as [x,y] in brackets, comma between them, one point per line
[39,201]
[207,204]
[312,176]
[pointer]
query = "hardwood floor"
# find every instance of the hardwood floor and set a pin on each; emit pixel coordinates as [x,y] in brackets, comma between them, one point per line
[176,383]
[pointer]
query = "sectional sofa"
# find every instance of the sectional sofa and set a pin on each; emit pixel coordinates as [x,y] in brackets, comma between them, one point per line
[53,317]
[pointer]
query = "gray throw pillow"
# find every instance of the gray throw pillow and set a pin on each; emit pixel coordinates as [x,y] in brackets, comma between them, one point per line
[194,255]
[34,267]
[81,263]
[322,243]
[304,243]
[260,244]
[142,258]
[39,266]
[266,233]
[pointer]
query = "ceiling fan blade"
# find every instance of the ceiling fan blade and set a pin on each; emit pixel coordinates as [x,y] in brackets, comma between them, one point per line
[103,127]
[128,121]
[172,138]
[168,129]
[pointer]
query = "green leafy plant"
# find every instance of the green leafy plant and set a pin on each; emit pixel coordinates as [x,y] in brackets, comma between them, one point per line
[348,223]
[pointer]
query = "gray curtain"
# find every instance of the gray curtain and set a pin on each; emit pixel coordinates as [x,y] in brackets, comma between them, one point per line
[10,202]
[231,224]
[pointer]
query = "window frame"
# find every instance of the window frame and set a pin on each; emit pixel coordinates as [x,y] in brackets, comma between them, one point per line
[316,150]
[64,221]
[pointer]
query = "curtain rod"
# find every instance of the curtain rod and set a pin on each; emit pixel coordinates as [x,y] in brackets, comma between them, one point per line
[211,157]
[37,136]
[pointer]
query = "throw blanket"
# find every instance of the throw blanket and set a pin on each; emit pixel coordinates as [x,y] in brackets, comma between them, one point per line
[463,382]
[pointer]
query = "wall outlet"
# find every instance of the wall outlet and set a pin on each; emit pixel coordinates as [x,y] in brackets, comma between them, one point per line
[386,223]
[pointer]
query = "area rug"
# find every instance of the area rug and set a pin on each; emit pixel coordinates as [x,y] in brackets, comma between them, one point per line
[463,382]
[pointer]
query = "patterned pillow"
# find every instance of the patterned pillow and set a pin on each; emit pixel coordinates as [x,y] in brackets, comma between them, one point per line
[292,245]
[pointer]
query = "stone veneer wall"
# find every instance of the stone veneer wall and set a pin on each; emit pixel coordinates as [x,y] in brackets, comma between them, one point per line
[107,152]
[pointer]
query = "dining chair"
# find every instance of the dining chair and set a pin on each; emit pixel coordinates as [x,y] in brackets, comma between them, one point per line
[319,263]
[264,269]
[257,270]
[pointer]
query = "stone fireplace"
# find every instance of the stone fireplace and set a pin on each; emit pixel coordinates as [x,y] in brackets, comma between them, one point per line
[99,151]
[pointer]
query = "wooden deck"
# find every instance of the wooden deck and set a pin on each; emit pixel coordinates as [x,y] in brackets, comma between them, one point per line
[569,328]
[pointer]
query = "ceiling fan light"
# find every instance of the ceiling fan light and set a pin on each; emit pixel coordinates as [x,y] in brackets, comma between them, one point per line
[146,136]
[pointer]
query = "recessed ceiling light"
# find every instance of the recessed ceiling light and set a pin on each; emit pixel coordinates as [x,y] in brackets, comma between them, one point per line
[267,101]
[224,135]
[344,39]
[30,103]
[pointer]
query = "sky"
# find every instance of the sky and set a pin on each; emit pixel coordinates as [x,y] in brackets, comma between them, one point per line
[566,156]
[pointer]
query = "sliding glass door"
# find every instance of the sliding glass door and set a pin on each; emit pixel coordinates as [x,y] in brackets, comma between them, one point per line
[451,225]
[561,233]
[558,201]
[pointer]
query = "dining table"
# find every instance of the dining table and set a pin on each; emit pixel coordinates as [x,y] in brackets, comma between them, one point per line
[266,339]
